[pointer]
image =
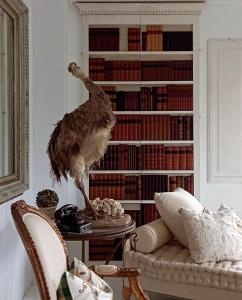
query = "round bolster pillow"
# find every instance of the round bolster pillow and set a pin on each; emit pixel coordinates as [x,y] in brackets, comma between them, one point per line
[151,236]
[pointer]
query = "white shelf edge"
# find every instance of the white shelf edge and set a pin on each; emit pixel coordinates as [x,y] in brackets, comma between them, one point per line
[130,201]
[136,201]
[147,201]
[160,112]
[153,83]
[140,53]
[188,142]
[144,172]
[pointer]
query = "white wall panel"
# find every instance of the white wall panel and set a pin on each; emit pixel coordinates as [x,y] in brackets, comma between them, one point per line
[225,110]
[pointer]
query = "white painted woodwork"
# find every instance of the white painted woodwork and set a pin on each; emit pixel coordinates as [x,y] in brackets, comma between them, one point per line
[171,143]
[139,172]
[163,112]
[142,83]
[225,107]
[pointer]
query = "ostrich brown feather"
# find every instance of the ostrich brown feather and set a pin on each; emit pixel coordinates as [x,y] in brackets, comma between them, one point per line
[81,137]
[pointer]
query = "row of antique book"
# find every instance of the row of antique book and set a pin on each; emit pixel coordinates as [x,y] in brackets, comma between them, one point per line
[152,127]
[102,249]
[136,70]
[161,98]
[135,187]
[152,38]
[147,157]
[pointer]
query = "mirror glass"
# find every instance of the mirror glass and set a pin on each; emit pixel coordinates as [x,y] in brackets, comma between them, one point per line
[14,99]
[6,95]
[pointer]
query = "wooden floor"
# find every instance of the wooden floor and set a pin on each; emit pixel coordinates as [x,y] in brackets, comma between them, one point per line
[33,294]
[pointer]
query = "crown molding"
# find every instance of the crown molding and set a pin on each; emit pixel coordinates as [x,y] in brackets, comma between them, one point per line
[132,8]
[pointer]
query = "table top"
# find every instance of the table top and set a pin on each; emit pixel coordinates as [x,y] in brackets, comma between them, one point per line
[101,233]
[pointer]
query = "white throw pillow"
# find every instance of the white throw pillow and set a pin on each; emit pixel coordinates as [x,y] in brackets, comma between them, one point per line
[212,236]
[151,236]
[168,205]
[81,283]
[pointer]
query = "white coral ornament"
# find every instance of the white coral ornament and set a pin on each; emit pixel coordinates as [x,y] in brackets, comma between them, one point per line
[108,207]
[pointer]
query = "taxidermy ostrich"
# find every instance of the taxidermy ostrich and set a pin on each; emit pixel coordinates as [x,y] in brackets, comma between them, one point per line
[81,137]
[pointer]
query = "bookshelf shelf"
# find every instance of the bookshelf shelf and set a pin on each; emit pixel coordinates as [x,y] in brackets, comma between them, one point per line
[142,83]
[163,112]
[137,201]
[140,53]
[142,172]
[143,55]
[180,142]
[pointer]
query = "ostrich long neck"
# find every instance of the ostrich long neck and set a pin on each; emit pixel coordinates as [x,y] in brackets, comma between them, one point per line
[94,89]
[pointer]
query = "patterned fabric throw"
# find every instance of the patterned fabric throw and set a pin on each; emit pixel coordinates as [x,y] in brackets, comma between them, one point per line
[81,283]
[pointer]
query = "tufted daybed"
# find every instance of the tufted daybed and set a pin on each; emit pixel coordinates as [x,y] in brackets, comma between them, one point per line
[170,270]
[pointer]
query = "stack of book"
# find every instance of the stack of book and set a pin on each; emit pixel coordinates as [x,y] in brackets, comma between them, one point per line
[103,39]
[133,70]
[177,41]
[134,42]
[174,70]
[125,187]
[97,69]
[153,127]
[161,98]
[147,157]
[102,250]
[154,38]
[150,184]
[149,213]
[185,182]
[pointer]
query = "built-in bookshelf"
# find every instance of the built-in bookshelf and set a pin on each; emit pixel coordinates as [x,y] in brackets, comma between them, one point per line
[146,65]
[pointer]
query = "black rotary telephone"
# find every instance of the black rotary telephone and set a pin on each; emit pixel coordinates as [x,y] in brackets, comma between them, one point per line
[68,220]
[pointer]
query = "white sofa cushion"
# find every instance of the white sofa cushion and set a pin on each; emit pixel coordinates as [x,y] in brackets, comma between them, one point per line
[212,236]
[173,263]
[168,205]
[151,236]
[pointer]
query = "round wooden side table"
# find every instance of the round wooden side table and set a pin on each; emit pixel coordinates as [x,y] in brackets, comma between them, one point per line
[101,233]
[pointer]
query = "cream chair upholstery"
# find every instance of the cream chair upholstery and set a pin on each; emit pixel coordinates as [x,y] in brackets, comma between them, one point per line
[49,257]
[49,248]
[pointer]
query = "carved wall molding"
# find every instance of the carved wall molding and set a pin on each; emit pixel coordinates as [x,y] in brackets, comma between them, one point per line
[140,8]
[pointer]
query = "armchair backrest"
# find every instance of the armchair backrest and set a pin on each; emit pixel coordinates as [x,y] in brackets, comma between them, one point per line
[45,247]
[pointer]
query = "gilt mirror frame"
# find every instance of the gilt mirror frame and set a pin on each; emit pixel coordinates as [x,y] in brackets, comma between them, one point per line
[16,183]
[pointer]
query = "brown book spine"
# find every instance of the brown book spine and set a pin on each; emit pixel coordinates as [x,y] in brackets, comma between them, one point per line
[182,158]
[175,158]
[168,158]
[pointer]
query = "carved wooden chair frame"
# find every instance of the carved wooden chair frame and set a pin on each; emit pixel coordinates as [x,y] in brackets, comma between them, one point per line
[19,209]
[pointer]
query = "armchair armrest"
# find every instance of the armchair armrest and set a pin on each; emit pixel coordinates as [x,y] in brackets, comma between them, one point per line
[130,273]
[114,271]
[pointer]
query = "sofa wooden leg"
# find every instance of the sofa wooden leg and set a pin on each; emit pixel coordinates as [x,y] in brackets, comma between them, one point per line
[127,293]
[136,289]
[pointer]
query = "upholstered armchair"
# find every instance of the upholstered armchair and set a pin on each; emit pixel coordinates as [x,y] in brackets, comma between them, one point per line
[49,256]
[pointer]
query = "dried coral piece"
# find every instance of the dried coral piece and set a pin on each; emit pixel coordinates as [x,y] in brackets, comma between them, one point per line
[108,207]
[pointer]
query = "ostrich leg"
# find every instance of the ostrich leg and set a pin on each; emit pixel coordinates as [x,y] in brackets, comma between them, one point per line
[89,208]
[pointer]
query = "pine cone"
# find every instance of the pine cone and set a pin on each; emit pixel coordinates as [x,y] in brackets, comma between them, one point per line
[47,198]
